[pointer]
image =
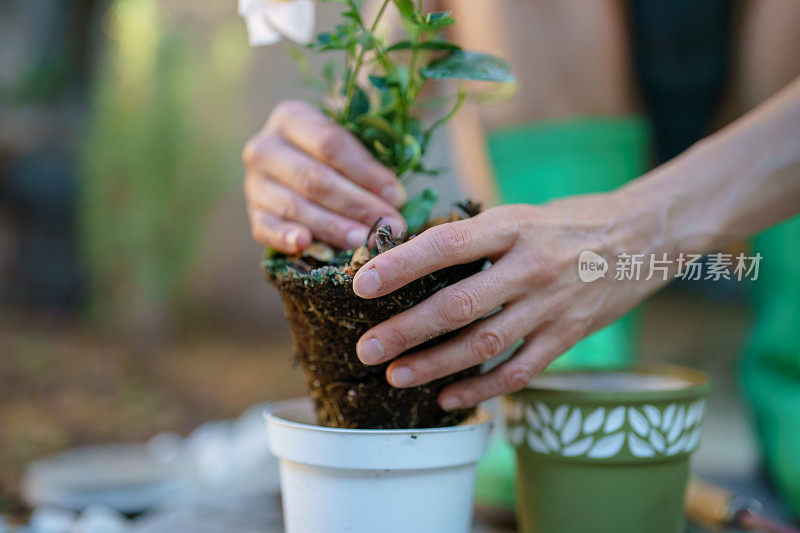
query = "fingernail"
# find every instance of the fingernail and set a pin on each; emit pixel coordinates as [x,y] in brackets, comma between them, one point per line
[402,376]
[370,351]
[356,238]
[367,282]
[450,403]
[394,194]
[291,238]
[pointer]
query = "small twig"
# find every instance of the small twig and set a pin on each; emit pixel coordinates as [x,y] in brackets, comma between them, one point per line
[385,239]
[371,231]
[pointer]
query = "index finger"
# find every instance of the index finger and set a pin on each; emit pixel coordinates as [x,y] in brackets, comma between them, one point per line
[439,247]
[314,133]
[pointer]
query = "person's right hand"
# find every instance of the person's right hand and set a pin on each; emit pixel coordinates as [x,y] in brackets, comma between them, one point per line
[308,178]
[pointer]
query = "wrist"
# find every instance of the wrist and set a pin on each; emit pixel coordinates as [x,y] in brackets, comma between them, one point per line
[636,223]
[674,208]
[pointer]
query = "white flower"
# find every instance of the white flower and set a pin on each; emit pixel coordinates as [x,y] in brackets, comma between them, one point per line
[268,20]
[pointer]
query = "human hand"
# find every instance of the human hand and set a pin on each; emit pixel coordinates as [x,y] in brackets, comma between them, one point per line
[308,178]
[534,277]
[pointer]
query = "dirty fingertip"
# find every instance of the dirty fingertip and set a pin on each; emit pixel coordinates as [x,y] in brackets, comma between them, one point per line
[367,282]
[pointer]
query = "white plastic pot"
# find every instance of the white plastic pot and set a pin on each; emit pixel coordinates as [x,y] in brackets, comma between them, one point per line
[363,481]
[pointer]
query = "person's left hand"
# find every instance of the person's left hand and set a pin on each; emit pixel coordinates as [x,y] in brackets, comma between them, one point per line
[534,277]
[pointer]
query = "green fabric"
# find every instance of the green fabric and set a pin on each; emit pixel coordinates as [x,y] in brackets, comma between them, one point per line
[536,163]
[771,364]
[539,162]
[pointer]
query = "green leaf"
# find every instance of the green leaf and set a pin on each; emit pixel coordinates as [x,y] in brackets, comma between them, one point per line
[469,66]
[329,41]
[426,45]
[360,104]
[325,37]
[400,79]
[406,8]
[403,77]
[412,153]
[379,82]
[438,20]
[433,172]
[329,73]
[416,129]
[303,64]
[417,210]
[352,15]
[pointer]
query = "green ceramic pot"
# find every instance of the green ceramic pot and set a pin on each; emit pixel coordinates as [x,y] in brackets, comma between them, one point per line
[607,450]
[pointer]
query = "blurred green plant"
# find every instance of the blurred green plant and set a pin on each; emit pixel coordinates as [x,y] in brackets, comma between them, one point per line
[159,146]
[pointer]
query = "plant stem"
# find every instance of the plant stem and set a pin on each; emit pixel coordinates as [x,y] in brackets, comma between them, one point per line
[462,94]
[416,37]
[414,57]
[379,16]
[351,86]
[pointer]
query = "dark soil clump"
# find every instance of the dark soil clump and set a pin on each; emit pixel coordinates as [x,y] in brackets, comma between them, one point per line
[326,319]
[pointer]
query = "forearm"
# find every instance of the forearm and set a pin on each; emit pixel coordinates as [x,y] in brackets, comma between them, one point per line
[731,185]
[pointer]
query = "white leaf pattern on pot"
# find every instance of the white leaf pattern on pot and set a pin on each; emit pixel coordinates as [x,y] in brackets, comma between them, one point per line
[657,440]
[669,414]
[638,447]
[550,439]
[577,448]
[693,440]
[638,422]
[677,447]
[544,413]
[691,416]
[701,409]
[608,446]
[614,420]
[567,431]
[572,428]
[532,418]
[560,416]
[593,422]
[677,426]
[653,415]
[536,443]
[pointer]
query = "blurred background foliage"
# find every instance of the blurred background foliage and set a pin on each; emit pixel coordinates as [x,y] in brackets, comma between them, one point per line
[161,146]
[120,140]
[122,225]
